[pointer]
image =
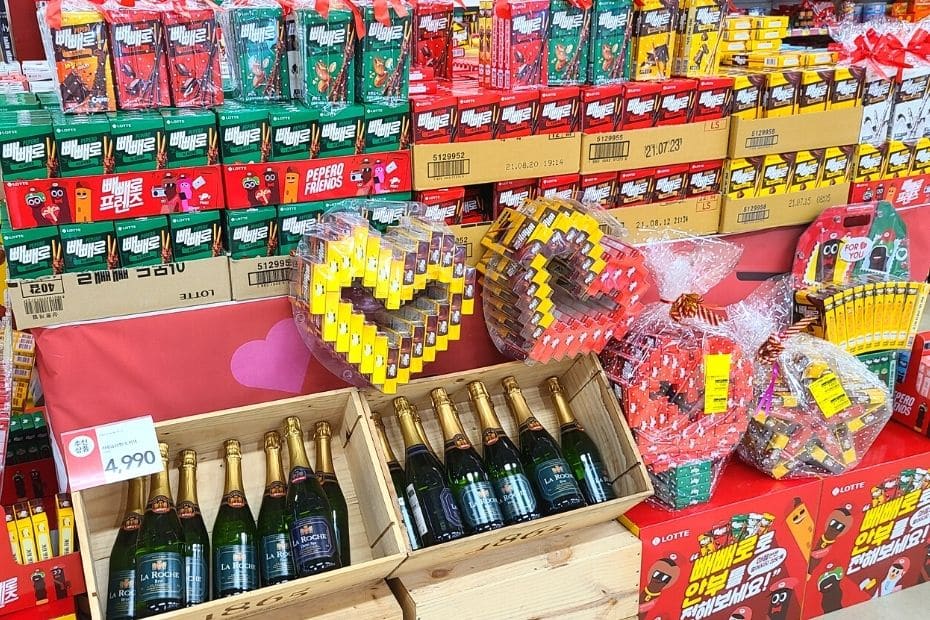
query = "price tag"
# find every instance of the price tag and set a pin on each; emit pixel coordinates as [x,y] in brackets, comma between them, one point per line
[716,383]
[830,395]
[111,452]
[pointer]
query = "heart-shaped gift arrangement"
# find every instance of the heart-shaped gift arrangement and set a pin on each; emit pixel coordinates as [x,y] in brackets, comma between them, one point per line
[558,281]
[374,307]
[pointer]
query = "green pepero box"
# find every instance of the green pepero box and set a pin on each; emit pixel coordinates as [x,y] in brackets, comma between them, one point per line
[387,126]
[190,137]
[136,141]
[26,139]
[252,232]
[88,247]
[143,241]
[31,253]
[80,143]
[257,51]
[327,47]
[243,133]
[196,235]
[292,130]
[382,60]
[341,130]
[293,221]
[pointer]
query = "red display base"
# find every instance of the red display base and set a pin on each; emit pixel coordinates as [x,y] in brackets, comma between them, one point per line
[45,471]
[44,589]
[903,192]
[331,178]
[48,202]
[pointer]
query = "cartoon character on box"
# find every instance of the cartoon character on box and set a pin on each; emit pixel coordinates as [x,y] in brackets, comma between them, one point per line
[252,186]
[925,567]
[38,203]
[838,522]
[271,184]
[185,193]
[291,181]
[891,583]
[662,574]
[82,206]
[167,191]
[830,590]
[741,613]
[60,199]
[781,597]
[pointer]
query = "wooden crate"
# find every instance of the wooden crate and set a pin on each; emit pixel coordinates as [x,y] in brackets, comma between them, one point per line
[374,601]
[582,575]
[377,544]
[591,398]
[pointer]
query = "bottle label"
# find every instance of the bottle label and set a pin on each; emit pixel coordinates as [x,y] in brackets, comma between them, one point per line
[276,557]
[516,495]
[132,522]
[121,598]
[195,565]
[555,479]
[490,436]
[532,424]
[408,526]
[596,480]
[276,489]
[160,504]
[298,474]
[416,511]
[188,510]
[160,577]
[479,504]
[311,539]
[449,508]
[236,568]
[459,442]
[235,499]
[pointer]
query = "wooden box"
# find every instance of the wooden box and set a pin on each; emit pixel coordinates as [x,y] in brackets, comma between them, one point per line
[377,544]
[590,396]
[582,575]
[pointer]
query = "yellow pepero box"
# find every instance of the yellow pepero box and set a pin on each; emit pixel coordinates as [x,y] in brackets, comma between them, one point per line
[14,537]
[737,22]
[732,46]
[870,163]
[356,325]
[775,172]
[41,529]
[771,60]
[743,177]
[897,160]
[804,172]
[767,22]
[771,46]
[818,57]
[369,332]
[343,327]
[737,35]
[769,34]
[837,163]
[27,542]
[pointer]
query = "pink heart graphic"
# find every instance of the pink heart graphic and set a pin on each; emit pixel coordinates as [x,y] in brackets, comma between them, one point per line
[279,362]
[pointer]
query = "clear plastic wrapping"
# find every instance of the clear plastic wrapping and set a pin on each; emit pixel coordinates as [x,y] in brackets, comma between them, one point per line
[255,38]
[819,410]
[683,378]
[558,281]
[375,307]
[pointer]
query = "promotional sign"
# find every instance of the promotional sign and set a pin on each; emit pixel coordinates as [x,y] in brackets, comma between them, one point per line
[49,202]
[111,453]
[872,537]
[912,392]
[331,178]
[734,557]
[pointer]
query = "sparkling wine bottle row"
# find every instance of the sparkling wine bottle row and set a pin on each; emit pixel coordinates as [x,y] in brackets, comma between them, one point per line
[163,558]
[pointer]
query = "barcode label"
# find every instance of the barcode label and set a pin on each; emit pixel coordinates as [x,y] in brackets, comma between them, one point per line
[271,276]
[454,168]
[610,150]
[759,142]
[753,216]
[44,305]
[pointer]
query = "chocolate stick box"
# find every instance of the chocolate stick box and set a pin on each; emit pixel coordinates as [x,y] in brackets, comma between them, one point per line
[737,556]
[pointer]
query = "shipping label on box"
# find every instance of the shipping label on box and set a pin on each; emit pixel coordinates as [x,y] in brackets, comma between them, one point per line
[768,136]
[264,276]
[735,557]
[698,215]
[872,535]
[756,213]
[655,146]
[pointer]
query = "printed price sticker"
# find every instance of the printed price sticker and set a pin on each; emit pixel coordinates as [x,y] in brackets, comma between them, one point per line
[716,383]
[111,452]
[830,395]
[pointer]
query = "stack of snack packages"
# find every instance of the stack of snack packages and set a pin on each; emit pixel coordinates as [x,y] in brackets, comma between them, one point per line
[24,359]
[894,139]
[683,379]
[555,285]
[375,307]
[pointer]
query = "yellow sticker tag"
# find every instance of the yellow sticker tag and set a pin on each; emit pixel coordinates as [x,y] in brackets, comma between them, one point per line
[830,395]
[716,383]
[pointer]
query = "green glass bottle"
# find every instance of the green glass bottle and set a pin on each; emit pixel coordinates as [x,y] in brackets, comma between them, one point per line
[551,475]
[122,582]
[309,516]
[580,451]
[465,472]
[197,543]
[418,422]
[399,479]
[160,577]
[514,492]
[326,474]
[276,565]
[431,501]
[235,541]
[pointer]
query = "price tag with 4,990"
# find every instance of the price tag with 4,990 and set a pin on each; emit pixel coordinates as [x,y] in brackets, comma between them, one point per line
[111,452]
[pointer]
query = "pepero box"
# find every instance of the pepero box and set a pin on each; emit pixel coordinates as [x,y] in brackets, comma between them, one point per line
[733,558]
[699,33]
[748,90]
[433,118]
[897,159]
[325,50]
[805,171]
[670,182]
[190,137]
[814,90]
[610,31]
[79,49]
[382,60]
[32,252]
[564,186]
[712,98]
[193,47]
[653,35]
[478,111]
[878,94]
[558,110]
[433,45]
[675,101]
[569,32]
[640,105]
[196,235]
[743,176]
[837,165]
[512,194]
[870,163]
[143,241]
[780,97]
[704,178]
[908,122]
[634,187]
[598,189]
[776,171]
[137,38]
[89,246]
[518,111]
[600,108]
[520,46]
[252,232]
[847,87]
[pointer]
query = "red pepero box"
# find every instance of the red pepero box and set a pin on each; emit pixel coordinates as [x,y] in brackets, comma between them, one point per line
[640,105]
[433,118]
[634,187]
[598,189]
[712,98]
[512,194]
[517,114]
[704,177]
[477,114]
[670,182]
[563,186]
[600,107]
[558,110]
[675,100]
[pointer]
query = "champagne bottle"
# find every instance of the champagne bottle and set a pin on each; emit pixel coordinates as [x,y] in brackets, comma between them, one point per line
[276,564]
[309,515]
[418,422]
[431,501]
[398,478]
[502,460]
[551,476]
[197,543]
[326,474]
[160,577]
[122,583]
[580,451]
[465,472]
[235,549]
